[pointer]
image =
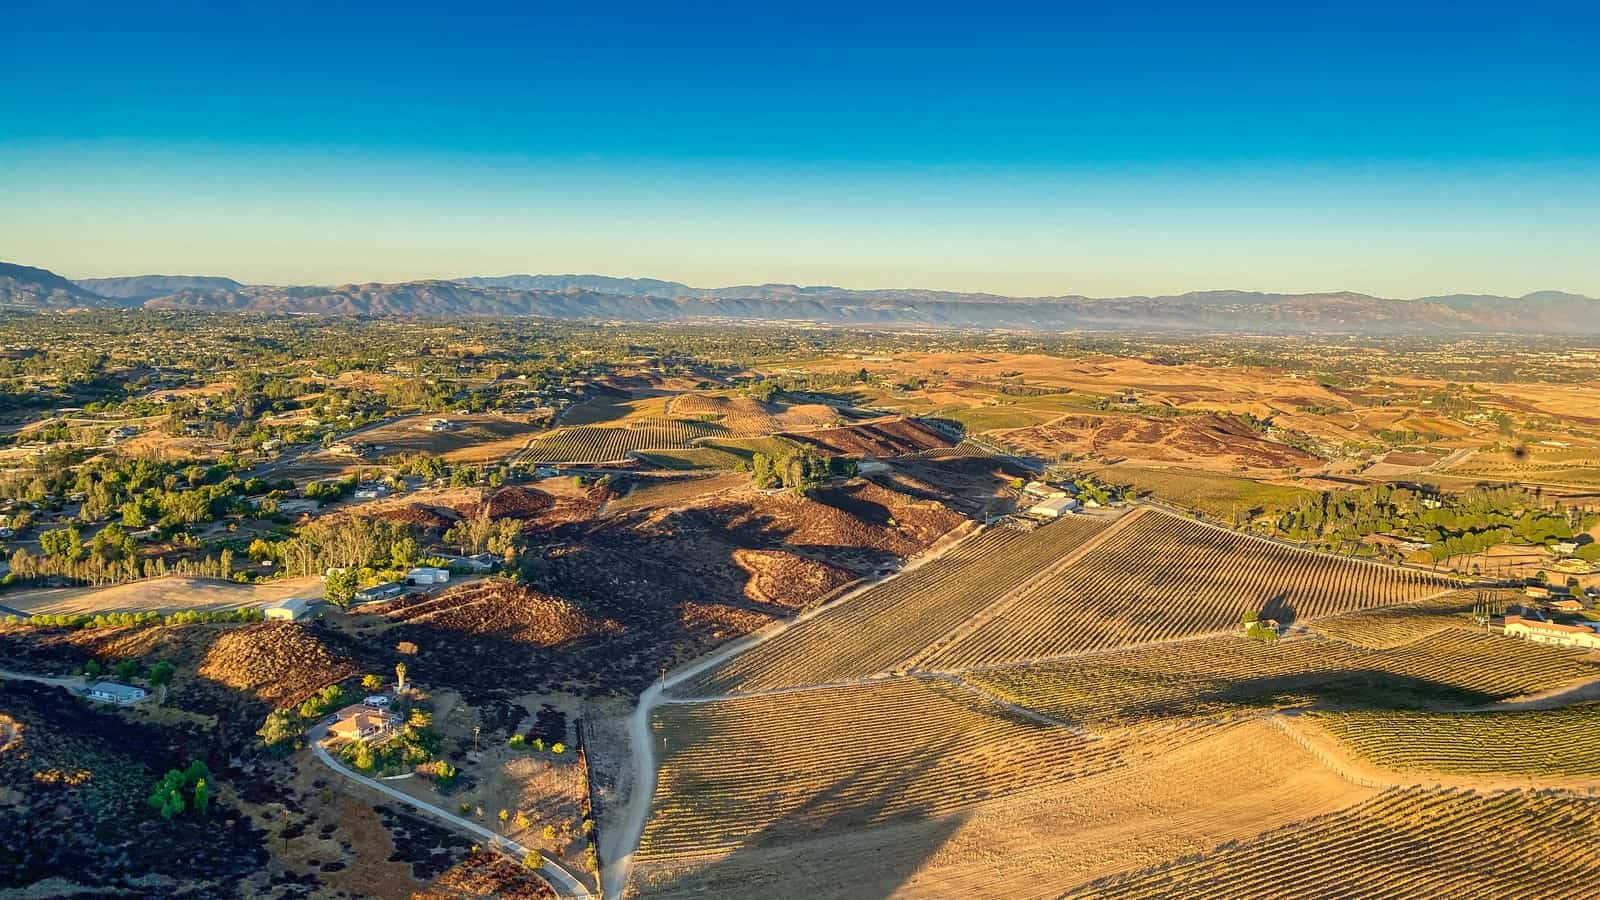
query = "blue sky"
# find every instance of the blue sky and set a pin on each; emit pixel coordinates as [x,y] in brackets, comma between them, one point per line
[1401,149]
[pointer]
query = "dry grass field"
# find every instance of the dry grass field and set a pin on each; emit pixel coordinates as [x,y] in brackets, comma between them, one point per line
[170,593]
[1227,785]
[787,766]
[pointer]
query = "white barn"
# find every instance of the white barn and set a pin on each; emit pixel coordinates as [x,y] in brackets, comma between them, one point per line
[1054,508]
[289,609]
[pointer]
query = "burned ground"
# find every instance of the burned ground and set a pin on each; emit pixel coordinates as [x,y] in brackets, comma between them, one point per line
[74,790]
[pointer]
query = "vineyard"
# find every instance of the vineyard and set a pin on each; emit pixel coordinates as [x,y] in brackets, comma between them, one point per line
[1162,578]
[1403,843]
[609,443]
[773,768]
[1220,675]
[1549,743]
[1220,497]
[1394,626]
[885,626]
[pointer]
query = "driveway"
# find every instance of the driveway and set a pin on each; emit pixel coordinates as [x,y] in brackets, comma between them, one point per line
[563,882]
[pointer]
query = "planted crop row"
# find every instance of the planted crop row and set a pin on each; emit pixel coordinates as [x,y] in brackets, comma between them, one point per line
[1553,742]
[1402,624]
[881,628]
[782,767]
[1226,674]
[601,443]
[1403,843]
[1163,577]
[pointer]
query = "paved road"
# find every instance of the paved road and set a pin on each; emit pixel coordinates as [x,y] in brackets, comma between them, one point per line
[563,882]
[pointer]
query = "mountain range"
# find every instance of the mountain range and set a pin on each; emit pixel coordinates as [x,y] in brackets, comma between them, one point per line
[647,299]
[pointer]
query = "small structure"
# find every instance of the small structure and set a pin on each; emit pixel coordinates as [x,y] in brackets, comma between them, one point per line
[362,723]
[289,609]
[376,701]
[1553,633]
[1042,490]
[441,425]
[477,564]
[427,575]
[111,692]
[1567,604]
[1054,508]
[372,490]
[1537,591]
[386,591]
[1564,548]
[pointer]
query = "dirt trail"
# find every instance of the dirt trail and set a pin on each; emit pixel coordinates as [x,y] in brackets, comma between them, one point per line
[619,841]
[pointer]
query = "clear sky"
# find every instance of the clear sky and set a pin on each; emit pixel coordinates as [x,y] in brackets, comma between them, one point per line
[1400,149]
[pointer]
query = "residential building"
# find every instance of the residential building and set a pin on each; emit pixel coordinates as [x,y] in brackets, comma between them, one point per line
[427,575]
[386,591]
[111,692]
[1585,636]
[362,723]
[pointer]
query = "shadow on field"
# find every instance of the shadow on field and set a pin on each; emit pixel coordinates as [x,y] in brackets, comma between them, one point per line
[862,837]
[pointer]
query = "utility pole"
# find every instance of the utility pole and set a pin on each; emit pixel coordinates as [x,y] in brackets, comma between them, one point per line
[475,730]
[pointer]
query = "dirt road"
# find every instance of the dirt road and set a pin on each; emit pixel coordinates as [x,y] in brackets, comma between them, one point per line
[563,882]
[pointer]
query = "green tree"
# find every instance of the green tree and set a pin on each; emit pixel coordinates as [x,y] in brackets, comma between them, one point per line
[371,683]
[339,586]
[64,544]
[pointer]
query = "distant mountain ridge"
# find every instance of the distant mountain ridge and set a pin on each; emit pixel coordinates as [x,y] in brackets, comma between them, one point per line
[145,287]
[653,300]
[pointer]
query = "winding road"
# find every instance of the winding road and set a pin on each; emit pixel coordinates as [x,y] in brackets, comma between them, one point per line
[562,881]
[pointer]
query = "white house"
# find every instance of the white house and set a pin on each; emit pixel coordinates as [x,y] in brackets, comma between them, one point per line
[1553,633]
[1054,508]
[111,692]
[289,609]
[428,575]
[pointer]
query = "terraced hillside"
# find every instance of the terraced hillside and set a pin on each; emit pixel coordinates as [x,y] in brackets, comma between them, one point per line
[882,628]
[1221,675]
[1163,577]
[1404,843]
[776,767]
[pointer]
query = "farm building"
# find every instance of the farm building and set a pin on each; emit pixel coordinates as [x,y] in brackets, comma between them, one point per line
[1567,604]
[1043,490]
[1537,592]
[1054,508]
[1553,633]
[362,723]
[427,575]
[289,609]
[386,591]
[111,692]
